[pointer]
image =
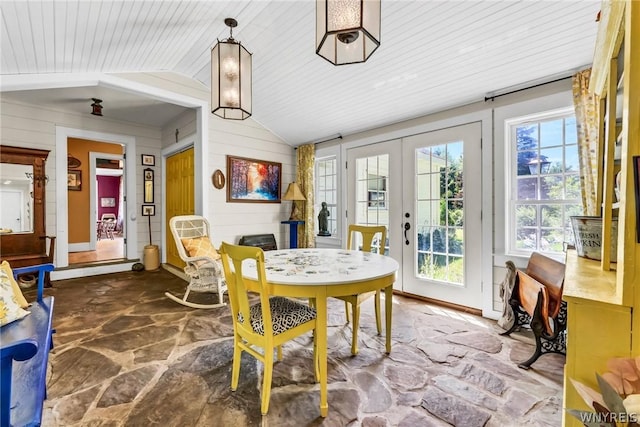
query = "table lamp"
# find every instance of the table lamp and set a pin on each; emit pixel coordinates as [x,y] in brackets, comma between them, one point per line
[294,193]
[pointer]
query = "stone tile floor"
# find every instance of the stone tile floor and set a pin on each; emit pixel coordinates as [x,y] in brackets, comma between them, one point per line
[125,355]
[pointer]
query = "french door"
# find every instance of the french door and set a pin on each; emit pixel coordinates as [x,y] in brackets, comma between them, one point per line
[426,189]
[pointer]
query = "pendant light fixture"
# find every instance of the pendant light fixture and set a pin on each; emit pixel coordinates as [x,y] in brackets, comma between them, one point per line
[347,31]
[230,77]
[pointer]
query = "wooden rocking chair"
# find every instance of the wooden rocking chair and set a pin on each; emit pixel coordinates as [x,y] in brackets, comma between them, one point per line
[204,268]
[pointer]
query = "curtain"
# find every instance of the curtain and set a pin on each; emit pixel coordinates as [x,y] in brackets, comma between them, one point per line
[306,157]
[587,108]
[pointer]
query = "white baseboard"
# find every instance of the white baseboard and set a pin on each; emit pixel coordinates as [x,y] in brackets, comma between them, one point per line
[73,273]
[79,247]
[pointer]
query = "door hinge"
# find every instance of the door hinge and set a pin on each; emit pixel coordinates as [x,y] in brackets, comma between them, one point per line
[346,165]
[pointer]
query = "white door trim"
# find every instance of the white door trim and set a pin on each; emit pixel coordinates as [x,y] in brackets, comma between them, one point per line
[93,156]
[62,201]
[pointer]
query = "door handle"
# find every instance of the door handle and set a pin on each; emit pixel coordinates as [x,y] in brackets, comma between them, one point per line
[407,227]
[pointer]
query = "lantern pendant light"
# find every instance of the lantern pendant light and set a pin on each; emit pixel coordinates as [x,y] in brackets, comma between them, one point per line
[347,31]
[230,77]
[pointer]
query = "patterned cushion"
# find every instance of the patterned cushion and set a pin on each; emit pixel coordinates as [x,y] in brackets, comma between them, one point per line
[200,246]
[10,310]
[16,289]
[285,314]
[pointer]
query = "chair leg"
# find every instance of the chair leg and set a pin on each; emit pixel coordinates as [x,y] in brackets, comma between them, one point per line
[346,310]
[279,356]
[356,322]
[378,318]
[316,357]
[266,382]
[235,370]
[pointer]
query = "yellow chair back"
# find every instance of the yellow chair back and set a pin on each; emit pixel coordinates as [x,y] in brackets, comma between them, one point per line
[367,232]
[236,255]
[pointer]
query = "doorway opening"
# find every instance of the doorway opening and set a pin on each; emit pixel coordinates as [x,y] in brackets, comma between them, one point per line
[97,203]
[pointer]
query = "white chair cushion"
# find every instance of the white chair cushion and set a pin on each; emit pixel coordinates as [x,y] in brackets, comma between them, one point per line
[285,314]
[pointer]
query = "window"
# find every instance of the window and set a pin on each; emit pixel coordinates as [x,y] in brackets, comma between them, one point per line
[544,182]
[326,190]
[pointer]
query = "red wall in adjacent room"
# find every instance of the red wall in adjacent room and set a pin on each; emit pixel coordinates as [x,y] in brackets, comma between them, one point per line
[108,186]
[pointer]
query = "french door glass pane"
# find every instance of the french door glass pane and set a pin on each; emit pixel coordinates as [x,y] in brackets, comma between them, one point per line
[440,212]
[372,184]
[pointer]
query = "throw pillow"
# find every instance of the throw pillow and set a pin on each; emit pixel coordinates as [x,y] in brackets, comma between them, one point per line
[10,310]
[200,246]
[6,268]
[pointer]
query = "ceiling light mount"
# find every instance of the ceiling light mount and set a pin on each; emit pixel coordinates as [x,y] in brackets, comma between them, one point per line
[230,77]
[96,108]
[347,31]
[348,36]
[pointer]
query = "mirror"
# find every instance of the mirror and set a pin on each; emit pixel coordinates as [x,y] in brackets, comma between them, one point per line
[16,198]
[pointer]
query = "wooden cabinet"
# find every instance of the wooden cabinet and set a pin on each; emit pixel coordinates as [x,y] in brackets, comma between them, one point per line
[603,297]
[29,246]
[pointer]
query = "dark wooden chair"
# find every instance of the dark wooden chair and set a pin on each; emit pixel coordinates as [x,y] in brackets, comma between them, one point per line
[536,300]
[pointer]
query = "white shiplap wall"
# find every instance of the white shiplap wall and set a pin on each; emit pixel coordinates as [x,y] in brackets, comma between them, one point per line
[27,125]
[245,138]
[32,126]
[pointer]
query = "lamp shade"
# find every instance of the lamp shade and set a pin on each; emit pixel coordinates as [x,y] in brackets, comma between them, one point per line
[230,78]
[293,193]
[347,31]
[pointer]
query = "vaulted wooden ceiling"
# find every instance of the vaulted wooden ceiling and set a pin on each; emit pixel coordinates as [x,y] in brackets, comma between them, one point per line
[433,55]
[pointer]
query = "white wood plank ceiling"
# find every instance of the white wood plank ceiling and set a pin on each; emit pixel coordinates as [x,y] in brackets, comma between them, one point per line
[433,55]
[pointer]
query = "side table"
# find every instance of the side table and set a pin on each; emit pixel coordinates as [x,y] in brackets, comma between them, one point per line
[293,232]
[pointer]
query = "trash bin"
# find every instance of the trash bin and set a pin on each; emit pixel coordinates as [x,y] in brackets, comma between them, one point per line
[151,257]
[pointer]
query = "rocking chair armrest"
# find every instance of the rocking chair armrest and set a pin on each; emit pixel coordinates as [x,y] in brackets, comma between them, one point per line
[200,261]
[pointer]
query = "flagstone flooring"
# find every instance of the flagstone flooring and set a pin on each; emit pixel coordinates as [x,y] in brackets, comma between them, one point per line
[125,355]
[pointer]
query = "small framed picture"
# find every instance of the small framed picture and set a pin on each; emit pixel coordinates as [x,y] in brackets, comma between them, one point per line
[148,160]
[148,185]
[107,202]
[74,180]
[148,210]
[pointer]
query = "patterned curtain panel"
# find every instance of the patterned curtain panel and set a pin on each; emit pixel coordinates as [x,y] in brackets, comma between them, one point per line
[587,107]
[306,165]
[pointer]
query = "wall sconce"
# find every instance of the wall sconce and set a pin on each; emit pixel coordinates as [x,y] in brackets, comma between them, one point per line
[347,31]
[96,107]
[294,193]
[230,77]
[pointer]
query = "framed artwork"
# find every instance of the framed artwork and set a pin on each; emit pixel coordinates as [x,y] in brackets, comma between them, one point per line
[636,180]
[74,180]
[253,181]
[148,210]
[148,160]
[107,202]
[148,185]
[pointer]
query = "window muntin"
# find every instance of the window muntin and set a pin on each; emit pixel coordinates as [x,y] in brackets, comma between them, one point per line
[544,182]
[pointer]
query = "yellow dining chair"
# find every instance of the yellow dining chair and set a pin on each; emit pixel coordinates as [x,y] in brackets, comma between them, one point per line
[253,327]
[367,232]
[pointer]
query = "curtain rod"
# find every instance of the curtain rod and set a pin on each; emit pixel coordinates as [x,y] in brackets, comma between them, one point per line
[493,97]
[339,136]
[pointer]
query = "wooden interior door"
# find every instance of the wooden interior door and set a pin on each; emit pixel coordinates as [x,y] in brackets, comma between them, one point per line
[180,196]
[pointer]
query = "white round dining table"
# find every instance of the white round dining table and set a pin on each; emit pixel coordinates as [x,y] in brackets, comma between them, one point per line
[320,273]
